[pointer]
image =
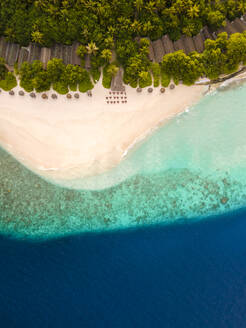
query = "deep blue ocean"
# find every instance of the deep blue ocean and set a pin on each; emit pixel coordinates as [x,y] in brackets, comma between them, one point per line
[185,275]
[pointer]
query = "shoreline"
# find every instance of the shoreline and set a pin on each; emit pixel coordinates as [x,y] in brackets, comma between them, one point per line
[66,139]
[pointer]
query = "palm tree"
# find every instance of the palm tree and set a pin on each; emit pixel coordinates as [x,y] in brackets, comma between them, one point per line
[144,76]
[91,48]
[37,37]
[106,54]
[139,5]
[193,11]
[151,7]
[112,70]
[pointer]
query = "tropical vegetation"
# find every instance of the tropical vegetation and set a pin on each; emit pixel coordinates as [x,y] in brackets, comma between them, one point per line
[119,29]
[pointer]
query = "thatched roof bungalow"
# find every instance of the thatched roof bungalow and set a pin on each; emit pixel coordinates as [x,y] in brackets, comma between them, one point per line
[188,44]
[75,59]
[151,52]
[239,25]
[220,30]
[56,51]
[45,56]
[159,50]
[117,81]
[167,44]
[12,53]
[229,28]
[179,45]
[34,52]
[199,42]
[23,56]
[207,34]
[87,61]
[66,54]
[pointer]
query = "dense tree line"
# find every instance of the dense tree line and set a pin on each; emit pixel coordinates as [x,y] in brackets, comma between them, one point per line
[104,27]
[104,21]
[221,56]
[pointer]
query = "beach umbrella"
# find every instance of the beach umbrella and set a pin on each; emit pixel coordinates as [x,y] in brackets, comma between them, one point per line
[54,96]
[76,95]
[21,93]
[69,96]
[44,96]
[162,90]
[150,90]
[11,93]
[33,95]
[139,89]
[172,86]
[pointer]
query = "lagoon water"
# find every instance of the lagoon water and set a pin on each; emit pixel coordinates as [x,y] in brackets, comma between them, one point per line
[181,261]
[192,167]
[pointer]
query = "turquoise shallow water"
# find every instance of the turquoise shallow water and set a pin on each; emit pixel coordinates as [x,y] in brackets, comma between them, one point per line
[192,167]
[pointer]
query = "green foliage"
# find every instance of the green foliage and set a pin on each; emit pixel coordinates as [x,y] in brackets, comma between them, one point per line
[28,72]
[9,82]
[41,81]
[96,24]
[81,51]
[108,72]
[180,66]
[165,79]
[106,55]
[3,69]
[55,69]
[156,71]
[145,79]
[95,73]
[86,83]
[26,76]
[73,87]
[60,87]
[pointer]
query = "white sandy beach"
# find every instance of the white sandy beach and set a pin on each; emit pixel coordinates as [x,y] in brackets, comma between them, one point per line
[52,137]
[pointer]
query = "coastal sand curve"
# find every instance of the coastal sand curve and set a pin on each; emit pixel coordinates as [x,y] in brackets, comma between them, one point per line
[52,137]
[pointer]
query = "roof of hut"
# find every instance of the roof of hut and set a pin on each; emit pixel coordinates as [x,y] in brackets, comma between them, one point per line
[87,61]
[45,55]
[206,33]
[216,33]
[178,45]
[229,28]
[199,42]
[239,25]
[188,43]
[69,54]
[75,59]
[12,52]
[66,54]
[23,55]
[3,46]
[151,51]
[159,50]
[117,81]
[56,51]
[167,44]
[34,52]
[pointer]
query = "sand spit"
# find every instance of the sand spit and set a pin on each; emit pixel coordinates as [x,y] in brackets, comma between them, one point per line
[91,134]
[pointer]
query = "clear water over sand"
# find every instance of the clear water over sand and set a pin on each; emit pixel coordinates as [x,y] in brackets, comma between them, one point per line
[192,167]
